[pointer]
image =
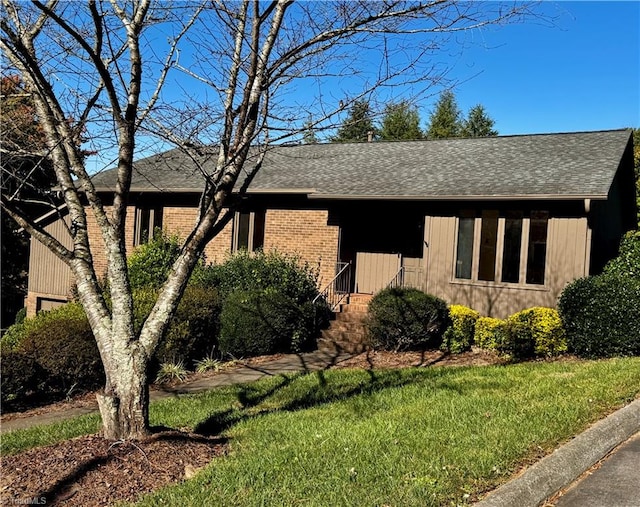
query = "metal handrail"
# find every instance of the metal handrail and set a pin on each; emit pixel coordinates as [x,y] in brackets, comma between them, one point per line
[337,289]
[397,280]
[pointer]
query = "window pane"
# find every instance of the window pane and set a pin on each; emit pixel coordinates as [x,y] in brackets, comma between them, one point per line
[242,235]
[143,226]
[512,242]
[537,255]
[464,254]
[258,229]
[488,237]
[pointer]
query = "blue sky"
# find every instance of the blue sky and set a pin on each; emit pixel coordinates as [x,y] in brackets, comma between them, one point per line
[581,74]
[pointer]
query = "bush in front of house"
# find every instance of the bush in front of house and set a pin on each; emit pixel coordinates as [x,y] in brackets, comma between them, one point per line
[459,336]
[534,332]
[402,319]
[488,332]
[57,353]
[259,271]
[601,315]
[261,322]
[627,263]
[193,332]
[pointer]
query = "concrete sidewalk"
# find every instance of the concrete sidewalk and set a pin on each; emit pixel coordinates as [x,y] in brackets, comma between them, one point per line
[290,363]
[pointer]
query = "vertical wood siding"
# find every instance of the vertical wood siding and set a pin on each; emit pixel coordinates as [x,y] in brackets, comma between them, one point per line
[47,273]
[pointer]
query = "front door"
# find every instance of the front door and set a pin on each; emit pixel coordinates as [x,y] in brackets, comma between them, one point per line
[374,271]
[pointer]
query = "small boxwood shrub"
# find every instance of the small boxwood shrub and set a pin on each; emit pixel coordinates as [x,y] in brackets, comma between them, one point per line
[489,332]
[21,378]
[459,336]
[406,319]
[261,322]
[534,332]
[601,315]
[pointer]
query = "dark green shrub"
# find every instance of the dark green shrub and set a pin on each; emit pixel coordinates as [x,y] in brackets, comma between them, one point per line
[406,319]
[257,322]
[21,315]
[259,271]
[150,263]
[459,336]
[65,350]
[601,316]
[21,378]
[193,332]
[627,263]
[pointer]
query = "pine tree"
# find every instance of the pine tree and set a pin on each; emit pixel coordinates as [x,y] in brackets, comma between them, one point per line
[308,133]
[445,121]
[478,123]
[401,121]
[357,125]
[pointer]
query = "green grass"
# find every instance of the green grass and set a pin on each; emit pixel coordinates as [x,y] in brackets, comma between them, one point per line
[429,436]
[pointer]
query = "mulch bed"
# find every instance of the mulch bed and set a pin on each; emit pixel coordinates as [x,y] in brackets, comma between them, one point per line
[93,471]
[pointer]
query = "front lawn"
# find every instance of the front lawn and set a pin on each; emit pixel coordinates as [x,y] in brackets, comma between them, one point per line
[418,436]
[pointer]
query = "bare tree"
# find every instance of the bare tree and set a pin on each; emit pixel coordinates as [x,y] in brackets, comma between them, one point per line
[96,71]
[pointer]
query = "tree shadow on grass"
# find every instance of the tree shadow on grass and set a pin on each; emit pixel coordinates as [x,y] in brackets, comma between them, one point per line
[324,389]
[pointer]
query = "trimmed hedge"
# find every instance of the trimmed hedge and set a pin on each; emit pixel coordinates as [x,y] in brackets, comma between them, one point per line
[627,263]
[534,332]
[601,315]
[406,319]
[459,336]
[489,332]
[256,322]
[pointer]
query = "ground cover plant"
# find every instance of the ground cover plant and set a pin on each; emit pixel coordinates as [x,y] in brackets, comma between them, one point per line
[414,436]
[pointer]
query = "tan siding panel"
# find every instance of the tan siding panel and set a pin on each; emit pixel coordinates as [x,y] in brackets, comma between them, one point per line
[47,273]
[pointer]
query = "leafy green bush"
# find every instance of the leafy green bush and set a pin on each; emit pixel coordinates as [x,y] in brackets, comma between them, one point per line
[601,315]
[627,263]
[193,332]
[259,271]
[150,263]
[260,322]
[405,319]
[52,353]
[533,332]
[459,336]
[21,377]
[489,332]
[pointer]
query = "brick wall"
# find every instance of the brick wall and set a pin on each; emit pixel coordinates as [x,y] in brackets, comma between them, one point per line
[181,220]
[307,234]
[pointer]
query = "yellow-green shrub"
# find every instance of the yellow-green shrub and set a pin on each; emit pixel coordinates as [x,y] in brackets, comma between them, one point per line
[459,336]
[488,332]
[533,332]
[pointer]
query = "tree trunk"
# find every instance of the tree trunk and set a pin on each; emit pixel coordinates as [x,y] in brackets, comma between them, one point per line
[124,403]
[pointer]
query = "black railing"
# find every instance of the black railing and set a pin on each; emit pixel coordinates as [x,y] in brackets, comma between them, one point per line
[338,288]
[407,277]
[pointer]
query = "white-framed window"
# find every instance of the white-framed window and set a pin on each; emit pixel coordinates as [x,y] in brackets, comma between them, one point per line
[503,247]
[248,230]
[147,221]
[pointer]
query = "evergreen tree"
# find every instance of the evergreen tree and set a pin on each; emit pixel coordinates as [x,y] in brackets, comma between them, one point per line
[308,133]
[478,123]
[357,125]
[401,121]
[445,121]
